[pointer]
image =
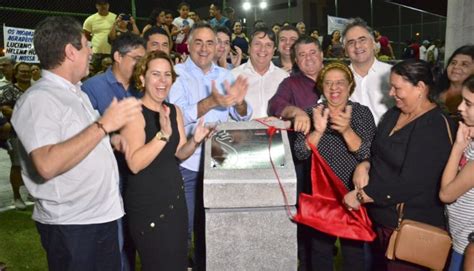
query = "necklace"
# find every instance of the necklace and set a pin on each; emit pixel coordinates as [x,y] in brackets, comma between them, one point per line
[403,121]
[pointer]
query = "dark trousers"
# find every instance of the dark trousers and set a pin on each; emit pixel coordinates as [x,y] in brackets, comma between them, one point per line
[322,252]
[81,247]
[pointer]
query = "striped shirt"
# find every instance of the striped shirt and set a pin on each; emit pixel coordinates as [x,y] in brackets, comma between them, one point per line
[461,212]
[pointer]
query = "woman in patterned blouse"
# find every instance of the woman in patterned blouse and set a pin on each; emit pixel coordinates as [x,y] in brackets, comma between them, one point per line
[342,131]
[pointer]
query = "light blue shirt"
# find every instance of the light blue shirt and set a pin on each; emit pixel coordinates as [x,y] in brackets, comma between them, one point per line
[192,86]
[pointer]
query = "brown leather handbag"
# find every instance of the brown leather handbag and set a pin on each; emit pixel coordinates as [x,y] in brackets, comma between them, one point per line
[418,243]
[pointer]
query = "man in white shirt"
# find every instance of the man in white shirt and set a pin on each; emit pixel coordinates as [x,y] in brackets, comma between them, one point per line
[424,50]
[262,75]
[67,160]
[371,76]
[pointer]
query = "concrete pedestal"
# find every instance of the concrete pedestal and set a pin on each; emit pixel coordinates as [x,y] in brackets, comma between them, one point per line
[459,25]
[247,226]
[252,239]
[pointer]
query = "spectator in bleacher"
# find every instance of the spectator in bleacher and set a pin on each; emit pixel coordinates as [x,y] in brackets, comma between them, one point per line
[97,28]
[6,70]
[301,28]
[276,28]
[194,16]
[259,23]
[371,76]
[170,28]
[239,38]
[335,49]
[224,53]
[123,24]
[156,38]
[217,18]
[262,75]
[35,73]
[423,50]
[287,36]
[183,25]
[315,34]
[460,66]
[158,19]
[104,64]
[385,47]
[9,95]
[229,12]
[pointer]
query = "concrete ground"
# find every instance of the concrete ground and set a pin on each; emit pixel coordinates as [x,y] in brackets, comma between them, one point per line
[6,194]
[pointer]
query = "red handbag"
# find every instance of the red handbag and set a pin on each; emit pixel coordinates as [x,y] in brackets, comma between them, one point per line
[324,210]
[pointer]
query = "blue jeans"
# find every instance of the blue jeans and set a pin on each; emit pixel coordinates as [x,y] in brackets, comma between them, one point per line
[81,247]
[457,261]
[190,179]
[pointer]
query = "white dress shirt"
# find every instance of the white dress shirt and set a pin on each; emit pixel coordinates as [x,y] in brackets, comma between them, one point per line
[373,89]
[52,111]
[261,87]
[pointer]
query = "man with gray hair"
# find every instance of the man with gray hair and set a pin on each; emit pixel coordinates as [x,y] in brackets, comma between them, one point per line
[67,159]
[204,90]
[370,75]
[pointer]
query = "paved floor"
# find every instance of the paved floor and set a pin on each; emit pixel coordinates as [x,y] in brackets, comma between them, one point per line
[6,194]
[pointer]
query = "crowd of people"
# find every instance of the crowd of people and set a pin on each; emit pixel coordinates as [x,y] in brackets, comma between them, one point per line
[128,139]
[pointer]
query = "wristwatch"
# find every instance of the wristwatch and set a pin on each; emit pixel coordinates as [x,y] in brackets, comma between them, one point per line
[162,136]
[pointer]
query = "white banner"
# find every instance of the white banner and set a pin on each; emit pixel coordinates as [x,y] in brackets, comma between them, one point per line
[18,44]
[336,23]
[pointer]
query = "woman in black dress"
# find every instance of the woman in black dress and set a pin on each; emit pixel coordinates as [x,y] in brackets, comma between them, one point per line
[154,196]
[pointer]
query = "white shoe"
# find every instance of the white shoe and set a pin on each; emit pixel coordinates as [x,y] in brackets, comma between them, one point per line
[20,204]
[30,198]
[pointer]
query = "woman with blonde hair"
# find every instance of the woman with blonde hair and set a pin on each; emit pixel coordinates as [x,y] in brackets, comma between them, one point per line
[154,195]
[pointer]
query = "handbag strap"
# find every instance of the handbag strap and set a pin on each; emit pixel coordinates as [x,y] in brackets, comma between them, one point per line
[448,127]
[400,207]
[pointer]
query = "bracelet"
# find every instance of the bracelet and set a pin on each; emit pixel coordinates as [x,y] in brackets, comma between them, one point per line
[360,196]
[101,126]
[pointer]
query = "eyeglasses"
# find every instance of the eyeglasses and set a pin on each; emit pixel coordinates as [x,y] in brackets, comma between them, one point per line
[135,58]
[360,41]
[337,84]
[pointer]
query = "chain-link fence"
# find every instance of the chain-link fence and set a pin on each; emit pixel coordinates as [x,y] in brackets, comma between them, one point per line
[27,14]
[401,34]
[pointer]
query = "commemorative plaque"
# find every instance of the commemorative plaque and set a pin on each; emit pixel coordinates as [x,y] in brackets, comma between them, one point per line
[247,226]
